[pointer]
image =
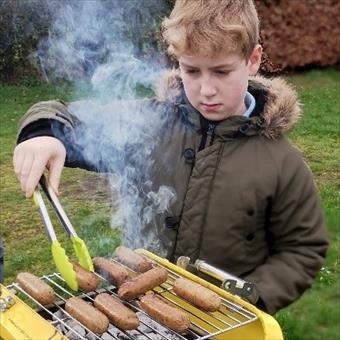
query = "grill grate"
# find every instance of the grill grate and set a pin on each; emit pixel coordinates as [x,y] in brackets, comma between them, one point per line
[229,316]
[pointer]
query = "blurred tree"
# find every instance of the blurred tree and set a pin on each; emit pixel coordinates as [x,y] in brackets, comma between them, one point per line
[22,24]
[294,33]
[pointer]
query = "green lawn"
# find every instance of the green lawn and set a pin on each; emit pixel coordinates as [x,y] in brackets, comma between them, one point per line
[88,202]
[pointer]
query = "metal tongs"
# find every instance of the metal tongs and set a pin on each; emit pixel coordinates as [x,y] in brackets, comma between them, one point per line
[61,260]
[227,281]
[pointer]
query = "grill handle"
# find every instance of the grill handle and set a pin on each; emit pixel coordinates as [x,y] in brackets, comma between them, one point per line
[228,281]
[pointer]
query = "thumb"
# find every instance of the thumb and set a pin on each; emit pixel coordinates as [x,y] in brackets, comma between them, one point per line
[56,169]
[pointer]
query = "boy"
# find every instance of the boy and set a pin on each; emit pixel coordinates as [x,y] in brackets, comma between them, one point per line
[246,202]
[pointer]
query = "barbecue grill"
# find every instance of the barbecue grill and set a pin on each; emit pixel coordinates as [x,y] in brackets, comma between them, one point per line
[22,317]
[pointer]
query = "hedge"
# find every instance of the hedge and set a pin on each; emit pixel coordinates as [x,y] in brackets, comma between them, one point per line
[299,33]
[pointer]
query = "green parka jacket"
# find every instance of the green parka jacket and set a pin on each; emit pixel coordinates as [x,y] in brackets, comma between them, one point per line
[246,201]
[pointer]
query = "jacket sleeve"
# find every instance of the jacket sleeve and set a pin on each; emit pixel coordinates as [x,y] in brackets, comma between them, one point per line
[48,110]
[90,142]
[296,236]
[53,118]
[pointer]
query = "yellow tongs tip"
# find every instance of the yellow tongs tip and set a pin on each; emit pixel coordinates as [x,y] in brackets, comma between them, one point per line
[60,257]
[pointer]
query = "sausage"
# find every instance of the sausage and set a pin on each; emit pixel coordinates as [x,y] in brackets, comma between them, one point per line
[118,314]
[133,260]
[142,283]
[111,271]
[87,315]
[36,287]
[87,280]
[196,294]
[164,312]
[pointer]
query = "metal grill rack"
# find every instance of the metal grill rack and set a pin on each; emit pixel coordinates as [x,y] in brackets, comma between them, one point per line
[204,325]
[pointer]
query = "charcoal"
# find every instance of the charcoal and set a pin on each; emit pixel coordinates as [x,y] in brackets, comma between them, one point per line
[134,334]
[140,337]
[145,329]
[58,315]
[113,330]
[61,328]
[90,336]
[115,333]
[107,336]
[72,336]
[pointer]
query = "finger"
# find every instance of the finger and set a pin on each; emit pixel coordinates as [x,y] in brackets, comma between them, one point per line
[37,170]
[25,171]
[56,169]
[15,157]
[18,161]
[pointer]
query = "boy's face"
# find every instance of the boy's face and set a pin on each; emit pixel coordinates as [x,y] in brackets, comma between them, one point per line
[216,86]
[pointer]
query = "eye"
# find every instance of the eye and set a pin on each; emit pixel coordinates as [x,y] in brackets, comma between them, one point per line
[191,71]
[222,72]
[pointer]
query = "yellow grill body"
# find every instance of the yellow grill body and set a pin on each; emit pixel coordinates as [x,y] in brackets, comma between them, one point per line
[20,321]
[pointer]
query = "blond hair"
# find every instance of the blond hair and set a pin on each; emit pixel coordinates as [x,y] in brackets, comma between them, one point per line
[210,27]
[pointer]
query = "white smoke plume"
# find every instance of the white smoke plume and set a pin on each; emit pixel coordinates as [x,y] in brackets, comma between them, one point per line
[100,40]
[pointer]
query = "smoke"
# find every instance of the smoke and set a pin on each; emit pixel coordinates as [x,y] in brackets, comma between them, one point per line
[103,42]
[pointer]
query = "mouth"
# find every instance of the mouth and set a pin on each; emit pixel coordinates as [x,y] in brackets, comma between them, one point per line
[210,107]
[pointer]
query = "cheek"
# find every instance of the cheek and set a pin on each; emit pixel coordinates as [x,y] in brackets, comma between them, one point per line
[237,85]
[190,88]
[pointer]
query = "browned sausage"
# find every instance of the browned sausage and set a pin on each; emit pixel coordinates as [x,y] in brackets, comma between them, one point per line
[118,314]
[133,260]
[196,294]
[113,272]
[165,313]
[87,315]
[142,283]
[87,280]
[36,287]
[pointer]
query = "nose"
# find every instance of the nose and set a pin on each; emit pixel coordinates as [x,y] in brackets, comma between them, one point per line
[208,89]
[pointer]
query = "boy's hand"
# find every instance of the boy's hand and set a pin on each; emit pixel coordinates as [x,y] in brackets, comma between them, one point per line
[32,156]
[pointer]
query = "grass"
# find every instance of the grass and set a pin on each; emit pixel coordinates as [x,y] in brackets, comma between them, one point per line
[88,202]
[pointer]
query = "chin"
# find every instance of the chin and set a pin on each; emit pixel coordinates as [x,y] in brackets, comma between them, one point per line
[215,117]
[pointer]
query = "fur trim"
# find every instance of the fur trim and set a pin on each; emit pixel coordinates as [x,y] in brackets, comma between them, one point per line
[281,111]
[168,86]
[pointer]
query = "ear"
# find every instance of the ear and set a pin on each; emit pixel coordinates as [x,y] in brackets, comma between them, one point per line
[255,60]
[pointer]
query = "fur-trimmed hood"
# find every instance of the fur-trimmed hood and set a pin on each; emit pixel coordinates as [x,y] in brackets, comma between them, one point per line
[281,108]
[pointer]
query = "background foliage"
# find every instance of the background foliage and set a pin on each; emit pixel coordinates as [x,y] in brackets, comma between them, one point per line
[295,34]
[22,25]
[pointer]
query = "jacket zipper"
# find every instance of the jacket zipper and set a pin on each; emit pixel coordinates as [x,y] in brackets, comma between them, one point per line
[207,137]
[210,134]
